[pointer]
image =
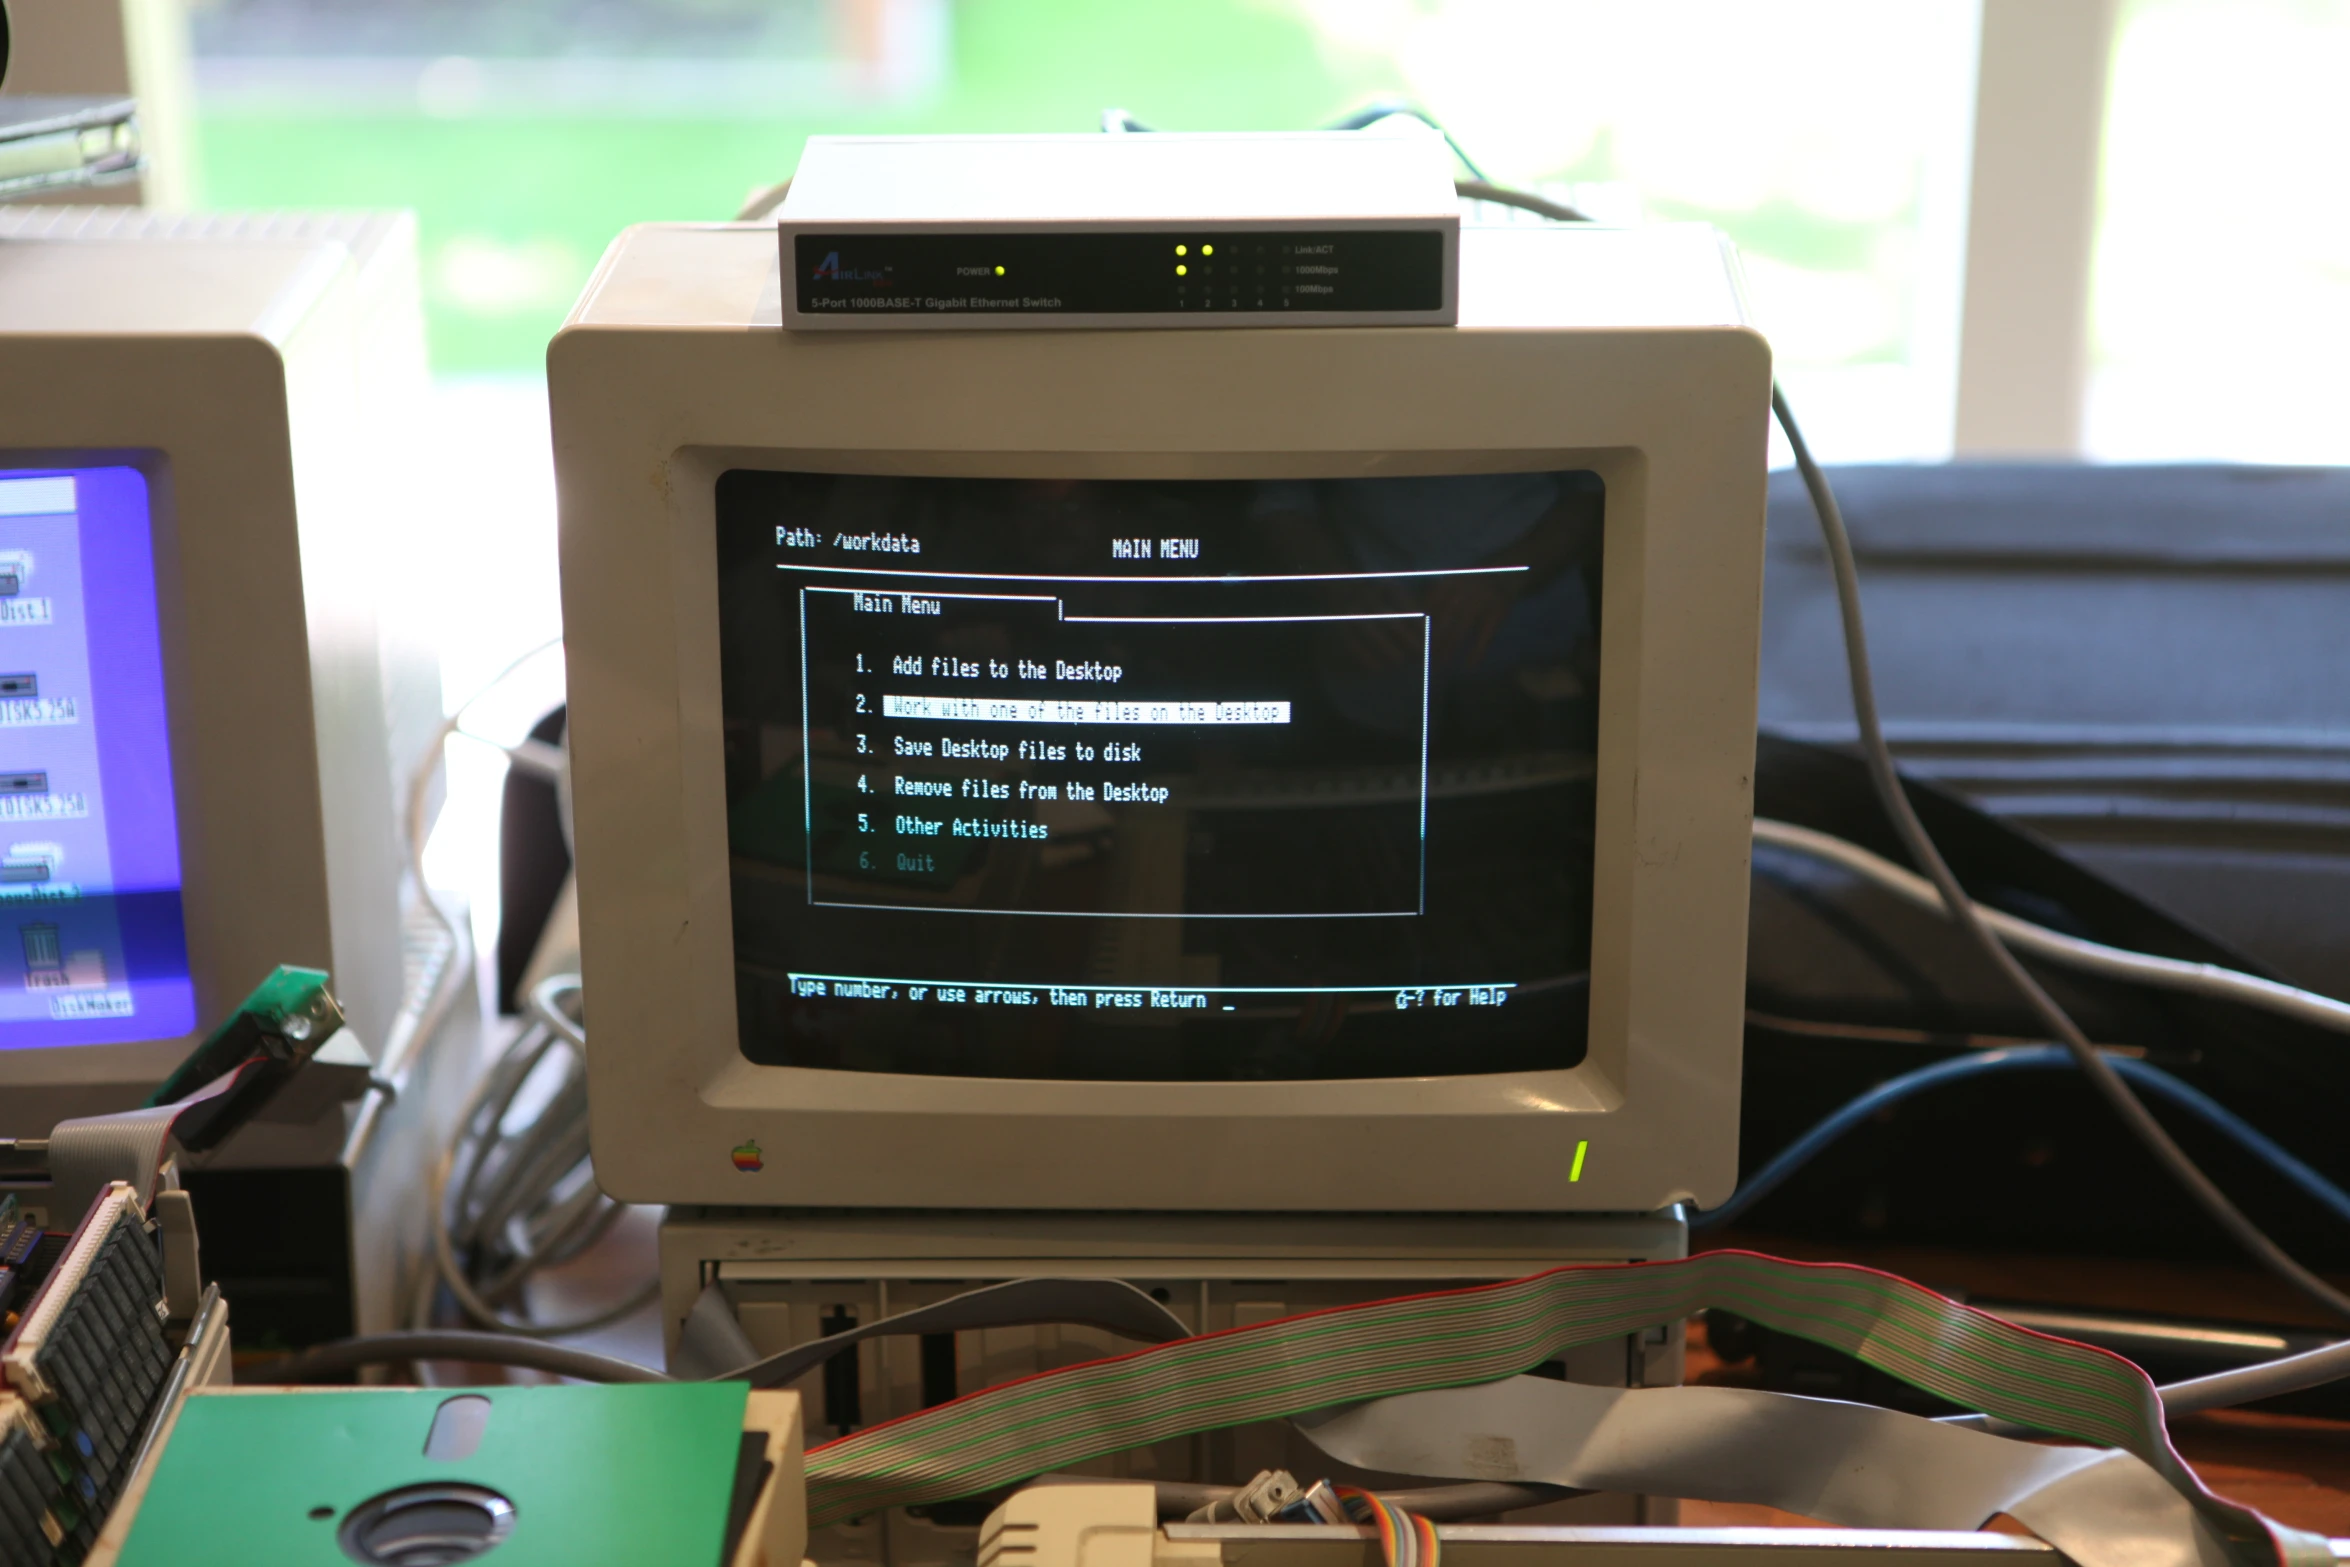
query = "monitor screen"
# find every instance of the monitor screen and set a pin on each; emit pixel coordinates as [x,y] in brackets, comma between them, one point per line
[1161,780]
[93,949]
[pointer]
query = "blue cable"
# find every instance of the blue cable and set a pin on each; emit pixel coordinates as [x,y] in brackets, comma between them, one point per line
[2026,1058]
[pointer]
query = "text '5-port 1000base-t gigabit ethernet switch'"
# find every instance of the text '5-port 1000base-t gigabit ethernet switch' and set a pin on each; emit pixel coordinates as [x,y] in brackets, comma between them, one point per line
[1332,228]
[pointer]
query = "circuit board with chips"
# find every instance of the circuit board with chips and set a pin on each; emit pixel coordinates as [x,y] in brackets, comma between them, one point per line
[84,1363]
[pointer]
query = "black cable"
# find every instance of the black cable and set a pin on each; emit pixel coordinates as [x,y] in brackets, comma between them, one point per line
[492,1349]
[1961,908]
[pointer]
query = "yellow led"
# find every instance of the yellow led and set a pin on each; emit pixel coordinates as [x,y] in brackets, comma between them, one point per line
[999,272]
[1207,250]
[1180,269]
[1183,250]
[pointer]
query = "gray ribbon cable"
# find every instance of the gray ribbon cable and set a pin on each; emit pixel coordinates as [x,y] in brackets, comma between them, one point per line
[712,1341]
[1847,1464]
[86,1154]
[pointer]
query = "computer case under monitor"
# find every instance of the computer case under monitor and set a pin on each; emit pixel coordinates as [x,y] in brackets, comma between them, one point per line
[791,1276]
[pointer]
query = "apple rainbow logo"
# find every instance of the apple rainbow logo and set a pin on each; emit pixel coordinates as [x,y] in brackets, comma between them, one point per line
[746,1157]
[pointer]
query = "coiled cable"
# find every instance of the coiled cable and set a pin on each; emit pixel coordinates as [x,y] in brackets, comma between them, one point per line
[514,1191]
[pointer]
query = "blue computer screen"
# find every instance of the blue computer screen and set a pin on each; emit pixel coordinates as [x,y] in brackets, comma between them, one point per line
[93,944]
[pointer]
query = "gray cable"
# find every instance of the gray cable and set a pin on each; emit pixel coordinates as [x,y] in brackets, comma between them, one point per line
[1962,910]
[2219,1390]
[2141,968]
[763,203]
[2269,1379]
[1094,1300]
[1111,1304]
[448,982]
[535,1186]
[493,1349]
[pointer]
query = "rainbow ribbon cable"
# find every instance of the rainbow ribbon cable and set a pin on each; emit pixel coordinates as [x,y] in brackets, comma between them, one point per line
[1405,1538]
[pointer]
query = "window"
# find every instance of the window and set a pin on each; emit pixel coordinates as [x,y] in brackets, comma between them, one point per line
[2222,300]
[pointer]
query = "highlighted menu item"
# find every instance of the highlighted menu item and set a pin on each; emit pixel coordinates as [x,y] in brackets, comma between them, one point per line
[1013,710]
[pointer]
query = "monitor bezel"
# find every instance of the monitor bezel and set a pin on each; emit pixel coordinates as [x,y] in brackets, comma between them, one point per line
[244,633]
[647,418]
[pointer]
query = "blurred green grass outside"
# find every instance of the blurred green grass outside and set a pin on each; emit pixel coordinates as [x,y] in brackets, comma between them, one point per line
[514,211]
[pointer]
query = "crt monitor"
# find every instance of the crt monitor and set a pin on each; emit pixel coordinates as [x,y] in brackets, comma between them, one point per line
[1284,768]
[207,709]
